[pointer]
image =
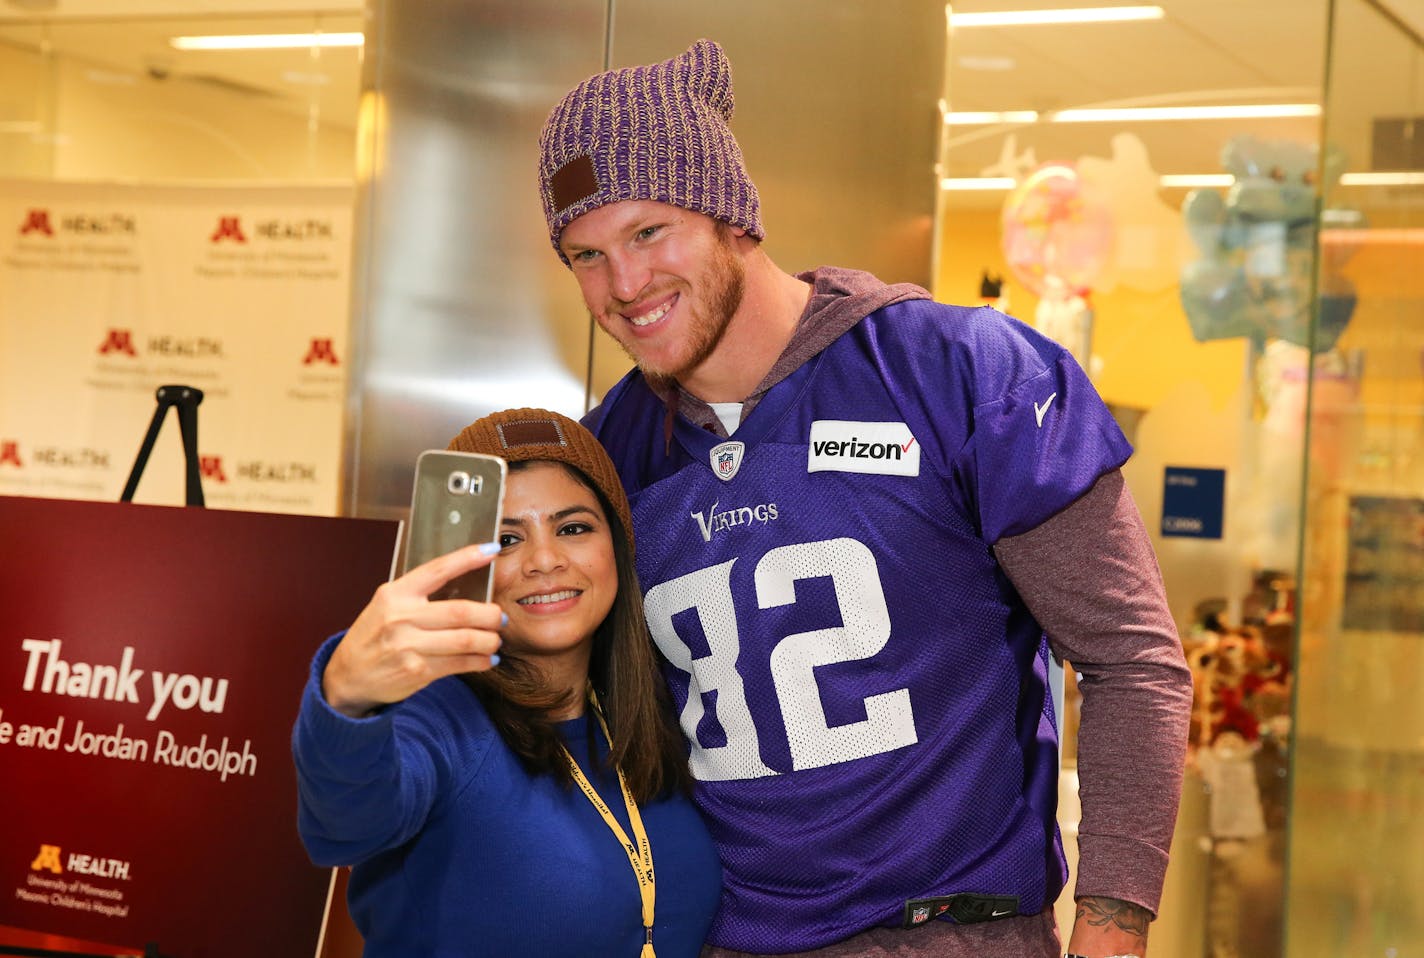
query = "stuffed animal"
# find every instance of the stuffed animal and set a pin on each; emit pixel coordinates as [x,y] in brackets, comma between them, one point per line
[1257,245]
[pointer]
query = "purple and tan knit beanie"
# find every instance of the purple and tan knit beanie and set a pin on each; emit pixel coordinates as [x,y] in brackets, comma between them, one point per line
[655,132]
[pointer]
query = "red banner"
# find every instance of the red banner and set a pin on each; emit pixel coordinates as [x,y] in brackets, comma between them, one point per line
[151,664]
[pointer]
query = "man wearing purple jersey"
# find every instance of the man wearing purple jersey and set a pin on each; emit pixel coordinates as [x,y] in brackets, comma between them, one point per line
[864,522]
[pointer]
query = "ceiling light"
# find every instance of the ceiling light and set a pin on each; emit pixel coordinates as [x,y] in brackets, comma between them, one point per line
[1397,236]
[1138,114]
[963,183]
[981,117]
[297,78]
[1016,18]
[1339,217]
[268,41]
[1193,180]
[1382,179]
[987,64]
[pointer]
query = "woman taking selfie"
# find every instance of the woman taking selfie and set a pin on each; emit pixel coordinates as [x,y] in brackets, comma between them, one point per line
[505,777]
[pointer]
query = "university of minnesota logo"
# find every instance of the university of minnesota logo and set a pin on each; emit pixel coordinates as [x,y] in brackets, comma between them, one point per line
[228,228]
[37,221]
[118,341]
[321,351]
[211,468]
[47,860]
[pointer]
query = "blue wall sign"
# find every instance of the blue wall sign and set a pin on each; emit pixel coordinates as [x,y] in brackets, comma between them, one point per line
[1193,502]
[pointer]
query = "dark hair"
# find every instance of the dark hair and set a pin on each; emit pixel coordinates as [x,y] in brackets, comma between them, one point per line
[645,742]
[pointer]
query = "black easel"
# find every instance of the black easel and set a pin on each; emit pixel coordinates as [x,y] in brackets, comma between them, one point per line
[185,400]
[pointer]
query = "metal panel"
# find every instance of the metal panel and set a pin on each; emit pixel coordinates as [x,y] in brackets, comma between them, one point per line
[837,114]
[461,307]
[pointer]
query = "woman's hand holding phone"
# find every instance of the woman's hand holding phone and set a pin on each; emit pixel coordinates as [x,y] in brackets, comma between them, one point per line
[402,641]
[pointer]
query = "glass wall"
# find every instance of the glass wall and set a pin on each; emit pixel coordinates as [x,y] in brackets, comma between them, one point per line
[1221,213]
[1357,795]
[1151,194]
[112,98]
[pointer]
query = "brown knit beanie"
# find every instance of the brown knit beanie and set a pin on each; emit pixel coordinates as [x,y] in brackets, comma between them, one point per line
[655,132]
[522,435]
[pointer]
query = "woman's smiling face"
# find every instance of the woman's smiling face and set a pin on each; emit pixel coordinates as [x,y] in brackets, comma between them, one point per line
[556,575]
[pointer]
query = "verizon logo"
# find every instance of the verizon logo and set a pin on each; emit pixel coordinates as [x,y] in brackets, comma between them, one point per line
[879,448]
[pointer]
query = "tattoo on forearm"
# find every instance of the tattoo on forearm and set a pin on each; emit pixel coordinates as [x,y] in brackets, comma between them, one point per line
[1100,912]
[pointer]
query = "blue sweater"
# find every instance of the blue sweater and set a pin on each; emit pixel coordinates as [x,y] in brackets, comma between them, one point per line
[457,850]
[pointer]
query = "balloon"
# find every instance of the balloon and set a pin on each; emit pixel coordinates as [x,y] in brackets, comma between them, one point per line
[1257,245]
[1054,225]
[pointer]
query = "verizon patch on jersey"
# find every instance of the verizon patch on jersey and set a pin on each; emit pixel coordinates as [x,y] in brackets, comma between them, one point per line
[876,448]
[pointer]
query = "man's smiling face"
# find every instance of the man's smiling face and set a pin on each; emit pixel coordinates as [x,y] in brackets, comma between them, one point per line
[663,281]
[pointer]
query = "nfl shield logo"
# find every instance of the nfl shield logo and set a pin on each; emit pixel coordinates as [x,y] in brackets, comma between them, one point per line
[727,458]
[920,916]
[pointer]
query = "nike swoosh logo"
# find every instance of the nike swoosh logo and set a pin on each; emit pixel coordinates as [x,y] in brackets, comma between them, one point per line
[1038,410]
[1010,911]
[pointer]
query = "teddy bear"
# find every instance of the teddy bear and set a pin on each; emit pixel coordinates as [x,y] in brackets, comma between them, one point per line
[1257,245]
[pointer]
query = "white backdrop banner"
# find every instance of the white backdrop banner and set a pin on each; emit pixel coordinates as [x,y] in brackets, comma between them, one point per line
[108,291]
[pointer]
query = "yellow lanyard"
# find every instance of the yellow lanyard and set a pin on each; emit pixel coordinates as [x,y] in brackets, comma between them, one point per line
[640,855]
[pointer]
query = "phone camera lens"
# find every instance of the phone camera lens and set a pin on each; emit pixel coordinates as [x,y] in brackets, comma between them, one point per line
[458,482]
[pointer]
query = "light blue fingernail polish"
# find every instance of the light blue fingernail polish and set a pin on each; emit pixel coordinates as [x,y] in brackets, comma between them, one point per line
[489,548]
[494,660]
[503,619]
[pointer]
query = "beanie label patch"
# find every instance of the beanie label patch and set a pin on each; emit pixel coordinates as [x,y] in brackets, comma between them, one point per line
[532,432]
[572,182]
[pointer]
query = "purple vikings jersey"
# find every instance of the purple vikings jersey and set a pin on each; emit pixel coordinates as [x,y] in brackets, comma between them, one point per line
[864,692]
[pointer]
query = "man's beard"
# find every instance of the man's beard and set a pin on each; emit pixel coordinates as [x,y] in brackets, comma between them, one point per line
[723,285]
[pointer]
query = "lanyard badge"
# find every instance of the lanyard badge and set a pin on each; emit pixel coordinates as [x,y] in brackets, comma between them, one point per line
[639,851]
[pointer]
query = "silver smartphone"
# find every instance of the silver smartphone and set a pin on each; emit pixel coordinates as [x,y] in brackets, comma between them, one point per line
[458,501]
